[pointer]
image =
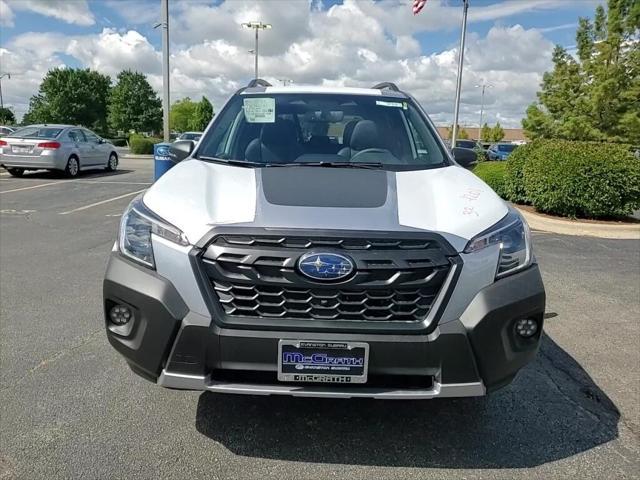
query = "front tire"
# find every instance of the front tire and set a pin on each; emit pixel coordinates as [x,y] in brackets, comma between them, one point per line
[15,172]
[73,167]
[112,164]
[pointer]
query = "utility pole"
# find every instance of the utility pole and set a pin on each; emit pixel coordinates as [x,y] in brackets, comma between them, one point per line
[165,67]
[8,75]
[456,109]
[256,26]
[483,86]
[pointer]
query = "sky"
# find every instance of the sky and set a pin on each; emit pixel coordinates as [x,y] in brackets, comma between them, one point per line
[320,42]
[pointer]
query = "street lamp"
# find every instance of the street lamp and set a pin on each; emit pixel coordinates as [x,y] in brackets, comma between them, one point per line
[8,75]
[484,86]
[256,26]
[456,108]
[164,4]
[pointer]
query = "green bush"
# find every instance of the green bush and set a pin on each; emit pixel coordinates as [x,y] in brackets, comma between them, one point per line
[118,142]
[481,154]
[514,181]
[581,179]
[142,145]
[493,174]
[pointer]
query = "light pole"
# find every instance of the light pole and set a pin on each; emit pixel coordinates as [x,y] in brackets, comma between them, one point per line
[165,67]
[8,75]
[484,86]
[256,26]
[456,108]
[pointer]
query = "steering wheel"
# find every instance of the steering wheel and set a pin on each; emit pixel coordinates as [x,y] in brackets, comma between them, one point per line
[371,150]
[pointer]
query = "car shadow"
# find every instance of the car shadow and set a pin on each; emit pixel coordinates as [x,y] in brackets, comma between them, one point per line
[553,410]
[58,175]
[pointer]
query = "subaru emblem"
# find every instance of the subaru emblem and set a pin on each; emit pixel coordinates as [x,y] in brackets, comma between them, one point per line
[325,266]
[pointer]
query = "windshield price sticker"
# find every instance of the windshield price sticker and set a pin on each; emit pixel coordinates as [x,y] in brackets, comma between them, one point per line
[260,110]
[384,103]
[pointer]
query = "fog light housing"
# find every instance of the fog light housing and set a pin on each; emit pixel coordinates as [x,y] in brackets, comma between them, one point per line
[526,327]
[120,314]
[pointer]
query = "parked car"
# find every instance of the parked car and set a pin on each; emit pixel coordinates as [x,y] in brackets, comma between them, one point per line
[4,130]
[500,151]
[268,261]
[55,147]
[467,144]
[195,136]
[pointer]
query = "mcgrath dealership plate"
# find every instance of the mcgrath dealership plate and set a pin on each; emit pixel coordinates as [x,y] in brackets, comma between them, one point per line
[322,362]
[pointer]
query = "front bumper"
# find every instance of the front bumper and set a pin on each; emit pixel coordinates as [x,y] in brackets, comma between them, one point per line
[178,348]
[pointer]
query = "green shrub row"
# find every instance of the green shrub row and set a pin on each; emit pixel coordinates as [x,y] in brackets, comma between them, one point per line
[142,145]
[573,179]
[118,142]
[493,174]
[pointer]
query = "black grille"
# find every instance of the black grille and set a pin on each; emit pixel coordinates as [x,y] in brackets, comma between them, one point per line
[255,278]
[324,304]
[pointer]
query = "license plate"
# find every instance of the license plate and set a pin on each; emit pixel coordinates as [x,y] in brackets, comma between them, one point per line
[322,362]
[16,149]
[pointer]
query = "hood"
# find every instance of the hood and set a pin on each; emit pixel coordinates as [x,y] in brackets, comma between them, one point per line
[196,196]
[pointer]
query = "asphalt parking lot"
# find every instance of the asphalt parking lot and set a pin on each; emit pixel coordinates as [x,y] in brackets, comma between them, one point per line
[70,408]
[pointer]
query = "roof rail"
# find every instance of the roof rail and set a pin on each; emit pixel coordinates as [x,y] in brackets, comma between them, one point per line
[386,85]
[258,82]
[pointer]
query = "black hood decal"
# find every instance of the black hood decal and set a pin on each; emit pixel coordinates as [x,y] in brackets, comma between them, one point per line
[324,187]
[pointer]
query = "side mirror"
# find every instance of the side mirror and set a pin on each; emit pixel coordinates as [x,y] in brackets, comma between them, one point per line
[181,149]
[101,140]
[465,157]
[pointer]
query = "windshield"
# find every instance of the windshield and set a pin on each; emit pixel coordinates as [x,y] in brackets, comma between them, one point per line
[190,136]
[36,132]
[506,148]
[323,129]
[465,144]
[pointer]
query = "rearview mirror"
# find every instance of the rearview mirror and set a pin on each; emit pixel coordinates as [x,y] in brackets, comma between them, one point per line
[465,157]
[181,149]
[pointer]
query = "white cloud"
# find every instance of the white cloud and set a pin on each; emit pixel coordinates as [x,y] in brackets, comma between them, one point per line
[76,12]
[6,15]
[347,44]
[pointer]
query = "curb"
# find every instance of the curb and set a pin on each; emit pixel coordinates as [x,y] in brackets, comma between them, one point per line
[583,229]
[131,156]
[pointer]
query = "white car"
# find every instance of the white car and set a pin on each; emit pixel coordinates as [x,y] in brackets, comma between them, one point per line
[323,242]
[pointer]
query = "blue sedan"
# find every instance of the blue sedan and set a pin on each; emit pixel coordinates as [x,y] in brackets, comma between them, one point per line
[500,151]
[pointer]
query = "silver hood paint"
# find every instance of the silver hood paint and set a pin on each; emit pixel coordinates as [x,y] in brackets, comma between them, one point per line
[195,196]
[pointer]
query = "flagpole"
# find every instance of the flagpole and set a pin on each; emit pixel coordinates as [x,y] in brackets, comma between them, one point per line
[456,109]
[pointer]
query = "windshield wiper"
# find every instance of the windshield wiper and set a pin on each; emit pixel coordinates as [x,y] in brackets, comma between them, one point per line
[366,165]
[230,161]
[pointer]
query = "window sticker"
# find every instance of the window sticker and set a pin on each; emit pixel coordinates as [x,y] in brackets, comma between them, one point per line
[259,110]
[383,103]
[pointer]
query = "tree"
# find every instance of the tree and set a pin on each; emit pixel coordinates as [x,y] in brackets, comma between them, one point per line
[7,116]
[461,134]
[497,133]
[70,95]
[486,133]
[181,114]
[202,115]
[134,105]
[594,97]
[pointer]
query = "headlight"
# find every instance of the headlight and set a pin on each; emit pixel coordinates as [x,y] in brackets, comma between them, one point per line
[514,237]
[136,227]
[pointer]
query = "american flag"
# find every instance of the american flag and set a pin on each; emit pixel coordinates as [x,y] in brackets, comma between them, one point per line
[418,5]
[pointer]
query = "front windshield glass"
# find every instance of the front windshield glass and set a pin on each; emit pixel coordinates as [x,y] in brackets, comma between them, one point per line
[323,129]
[36,132]
[506,148]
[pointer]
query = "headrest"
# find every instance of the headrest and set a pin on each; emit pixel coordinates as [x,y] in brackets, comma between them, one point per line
[365,135]
[348,131]
[282,132]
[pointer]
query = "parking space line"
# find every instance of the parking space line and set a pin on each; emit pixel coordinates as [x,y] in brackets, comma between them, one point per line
[36,186]
[115,183]
[79,209]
